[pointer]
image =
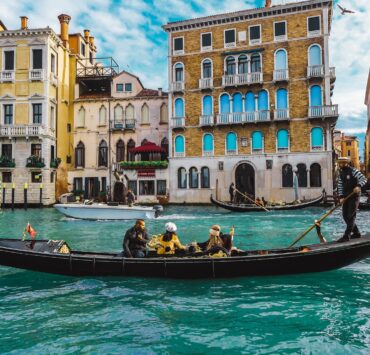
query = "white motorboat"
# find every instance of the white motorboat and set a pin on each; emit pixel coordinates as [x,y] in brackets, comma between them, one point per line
[102,211]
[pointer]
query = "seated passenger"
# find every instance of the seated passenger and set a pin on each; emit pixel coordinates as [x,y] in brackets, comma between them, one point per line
[135,240]
[169,242]
[218,241]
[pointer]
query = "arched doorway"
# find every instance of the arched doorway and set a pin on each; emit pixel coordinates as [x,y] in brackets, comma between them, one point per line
[245,181]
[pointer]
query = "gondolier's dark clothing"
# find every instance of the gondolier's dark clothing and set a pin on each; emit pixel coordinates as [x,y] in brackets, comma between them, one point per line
[232,193]
[134,243]
[349,178]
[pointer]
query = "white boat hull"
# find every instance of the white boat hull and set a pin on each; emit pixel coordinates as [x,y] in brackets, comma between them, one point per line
[105,212]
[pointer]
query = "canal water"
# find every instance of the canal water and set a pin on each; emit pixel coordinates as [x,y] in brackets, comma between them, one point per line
[311,313]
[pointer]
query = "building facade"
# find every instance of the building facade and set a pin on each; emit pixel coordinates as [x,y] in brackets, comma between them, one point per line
[367,136]
[347,146]
[250,103]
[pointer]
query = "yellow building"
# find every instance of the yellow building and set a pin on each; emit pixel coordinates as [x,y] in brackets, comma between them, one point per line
[347,146]
[367,137]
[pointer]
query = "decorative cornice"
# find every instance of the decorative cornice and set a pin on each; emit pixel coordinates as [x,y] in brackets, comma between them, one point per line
[30,33]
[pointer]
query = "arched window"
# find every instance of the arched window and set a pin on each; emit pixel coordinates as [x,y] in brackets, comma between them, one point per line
[204,178]
[263,105]
[130,117]
[102,116]
[250,103]
[144,141]
[179,108]
[317,138]
[315,175]
[145,114]
[282,140]
[237,102]
[281,104]
[230,66]
[163,114]
[103,154]
[179,146]
[80,155]
[287,175]
[225,103]
[257,141]
[81,117]
[255,63]
[281,60]
[130,145]
[243,64]
[120,151]
[164,145]
[193,178]
[207,69]
[207,105]
[208,144]
[315,96]
[231,143]
[118,113]
[181,178]
[302,175]
[314,56]
[179,72]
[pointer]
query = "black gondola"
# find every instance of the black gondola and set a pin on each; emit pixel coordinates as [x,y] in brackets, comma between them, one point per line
[254,208]
[49,256]
[364,206]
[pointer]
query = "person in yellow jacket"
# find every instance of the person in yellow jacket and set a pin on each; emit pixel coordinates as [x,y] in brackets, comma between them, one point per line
[169,242]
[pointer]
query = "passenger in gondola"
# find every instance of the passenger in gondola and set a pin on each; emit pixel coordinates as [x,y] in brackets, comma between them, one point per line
[218,241]
[135,240]
[169,243]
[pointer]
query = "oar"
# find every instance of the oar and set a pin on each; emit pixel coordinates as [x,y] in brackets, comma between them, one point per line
[254,202]
[321,219]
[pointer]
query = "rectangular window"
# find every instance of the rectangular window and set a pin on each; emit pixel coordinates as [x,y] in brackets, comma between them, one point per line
[52,117]
[161,187]
[128,87]
[280,30]
[52,63]
[52,152]
[146,187]
[178,45]
[37,59]
[132,184]
[206,41]
[229,39]
[7,176]
[314,26]
[119,87]
[348,144]
[91,57]
[8,114]
[255,34]
[37,113]
[77,184]
[36,150]
[83,50]
[349,153]
[6,151]
[52,177]
[36,176]
[9,60]
[104,184]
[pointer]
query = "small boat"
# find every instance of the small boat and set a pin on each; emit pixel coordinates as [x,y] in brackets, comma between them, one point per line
[364,206]
[99,211]
[254,208]
[57,258]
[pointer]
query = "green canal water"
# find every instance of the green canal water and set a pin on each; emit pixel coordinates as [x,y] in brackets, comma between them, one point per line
[312,313]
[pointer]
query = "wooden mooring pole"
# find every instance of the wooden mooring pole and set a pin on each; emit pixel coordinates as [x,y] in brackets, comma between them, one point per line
[25,191]
[13,194]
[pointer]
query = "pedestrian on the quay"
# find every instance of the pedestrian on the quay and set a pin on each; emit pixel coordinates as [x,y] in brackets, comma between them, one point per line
[350,180]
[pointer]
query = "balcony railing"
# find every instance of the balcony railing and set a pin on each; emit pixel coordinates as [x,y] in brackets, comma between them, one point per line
[242,79]
[104,67]
[332,73]
[7,76]
[179,154]
[317,148]
[22,131]
[206,83]
[206,120]
[124,124]
[323,111]
[35,161]
[231,152]
[281,114]
[281,75]
[315,71]
[178,86]
[178,122]
[36,74]
[6,162]
[130,123]
[208,153]
[243,117]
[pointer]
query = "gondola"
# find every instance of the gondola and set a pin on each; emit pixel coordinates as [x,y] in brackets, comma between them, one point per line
[55,257]
[364,206]
[254,208]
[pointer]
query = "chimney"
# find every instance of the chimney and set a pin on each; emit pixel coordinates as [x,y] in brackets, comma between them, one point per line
[24,22]
[64,21]
[91,41]
[87,35]
[159,91]
[268,3]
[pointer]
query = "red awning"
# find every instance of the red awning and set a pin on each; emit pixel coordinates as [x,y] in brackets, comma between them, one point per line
[148,147]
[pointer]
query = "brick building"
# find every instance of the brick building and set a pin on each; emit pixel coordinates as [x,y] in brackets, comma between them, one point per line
[250,103]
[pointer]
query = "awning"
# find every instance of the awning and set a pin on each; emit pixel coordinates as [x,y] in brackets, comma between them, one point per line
[148,147]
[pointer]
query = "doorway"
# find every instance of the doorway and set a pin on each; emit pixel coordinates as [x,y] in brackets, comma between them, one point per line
[245,181]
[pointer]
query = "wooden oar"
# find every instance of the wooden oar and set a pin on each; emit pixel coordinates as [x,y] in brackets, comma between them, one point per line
[254,202]
[321,219]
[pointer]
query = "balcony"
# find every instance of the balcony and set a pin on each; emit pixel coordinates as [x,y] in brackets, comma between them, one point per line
[35,161]
[317,148]
[208,153]
[243,117]
[178,86]
[231,152]
[123,124]
[22,131]
[53,79]
[332,73]
[36,75]
[130,123]
[206,120]
[54,163]
[153,164]
[315,71]
[242,79]
[206,83]
[105,67]
[6,162]
[323,111]
[179,154]
[178,122]
[281,114]
[7,76]
[281,75]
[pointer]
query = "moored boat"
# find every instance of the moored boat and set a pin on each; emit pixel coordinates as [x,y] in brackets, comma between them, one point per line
[57,258]
[364,206]
[254,208]
[99,211]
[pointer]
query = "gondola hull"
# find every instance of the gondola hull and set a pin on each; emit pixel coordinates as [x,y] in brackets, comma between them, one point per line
[314,258]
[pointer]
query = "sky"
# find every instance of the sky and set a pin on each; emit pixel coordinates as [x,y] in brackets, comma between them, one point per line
[130,31]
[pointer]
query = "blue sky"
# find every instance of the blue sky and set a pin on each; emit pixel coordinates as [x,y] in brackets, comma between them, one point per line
[130,31]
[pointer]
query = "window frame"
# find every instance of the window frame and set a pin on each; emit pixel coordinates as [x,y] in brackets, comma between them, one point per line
[5,114]
[254,41]
[178,52]
[32,58]
[4,154]
[314,33]
[157,190]
[37,116]
[205,183]
[4,59]
[206,48]
[6,181]
[103,154]
[180,185]
[196,172]
[126,85]
[230,44]
[120,85]
[284,37]
[33,177]
[80,149]
[202,69]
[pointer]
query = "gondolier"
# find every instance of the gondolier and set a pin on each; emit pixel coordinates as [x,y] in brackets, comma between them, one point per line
[350,180]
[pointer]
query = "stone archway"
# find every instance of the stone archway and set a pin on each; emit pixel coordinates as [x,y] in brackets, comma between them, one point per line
[245,180]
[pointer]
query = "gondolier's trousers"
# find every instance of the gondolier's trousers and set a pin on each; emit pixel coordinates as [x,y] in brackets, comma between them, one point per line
[349,215]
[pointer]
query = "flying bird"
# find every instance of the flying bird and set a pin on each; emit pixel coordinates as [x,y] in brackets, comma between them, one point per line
[345,11]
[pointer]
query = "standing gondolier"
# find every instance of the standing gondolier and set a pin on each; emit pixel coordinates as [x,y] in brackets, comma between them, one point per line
[350,180]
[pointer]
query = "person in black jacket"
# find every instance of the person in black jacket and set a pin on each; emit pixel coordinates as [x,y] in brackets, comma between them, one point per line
[350,180]
[232,192]
[135,240]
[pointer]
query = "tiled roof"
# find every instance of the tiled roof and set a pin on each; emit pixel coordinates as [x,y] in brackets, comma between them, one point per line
[94,95]
[150,92]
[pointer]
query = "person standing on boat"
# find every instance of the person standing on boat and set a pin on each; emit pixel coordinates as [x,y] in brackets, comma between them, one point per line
[135,240]
[350,180]
[232,192]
